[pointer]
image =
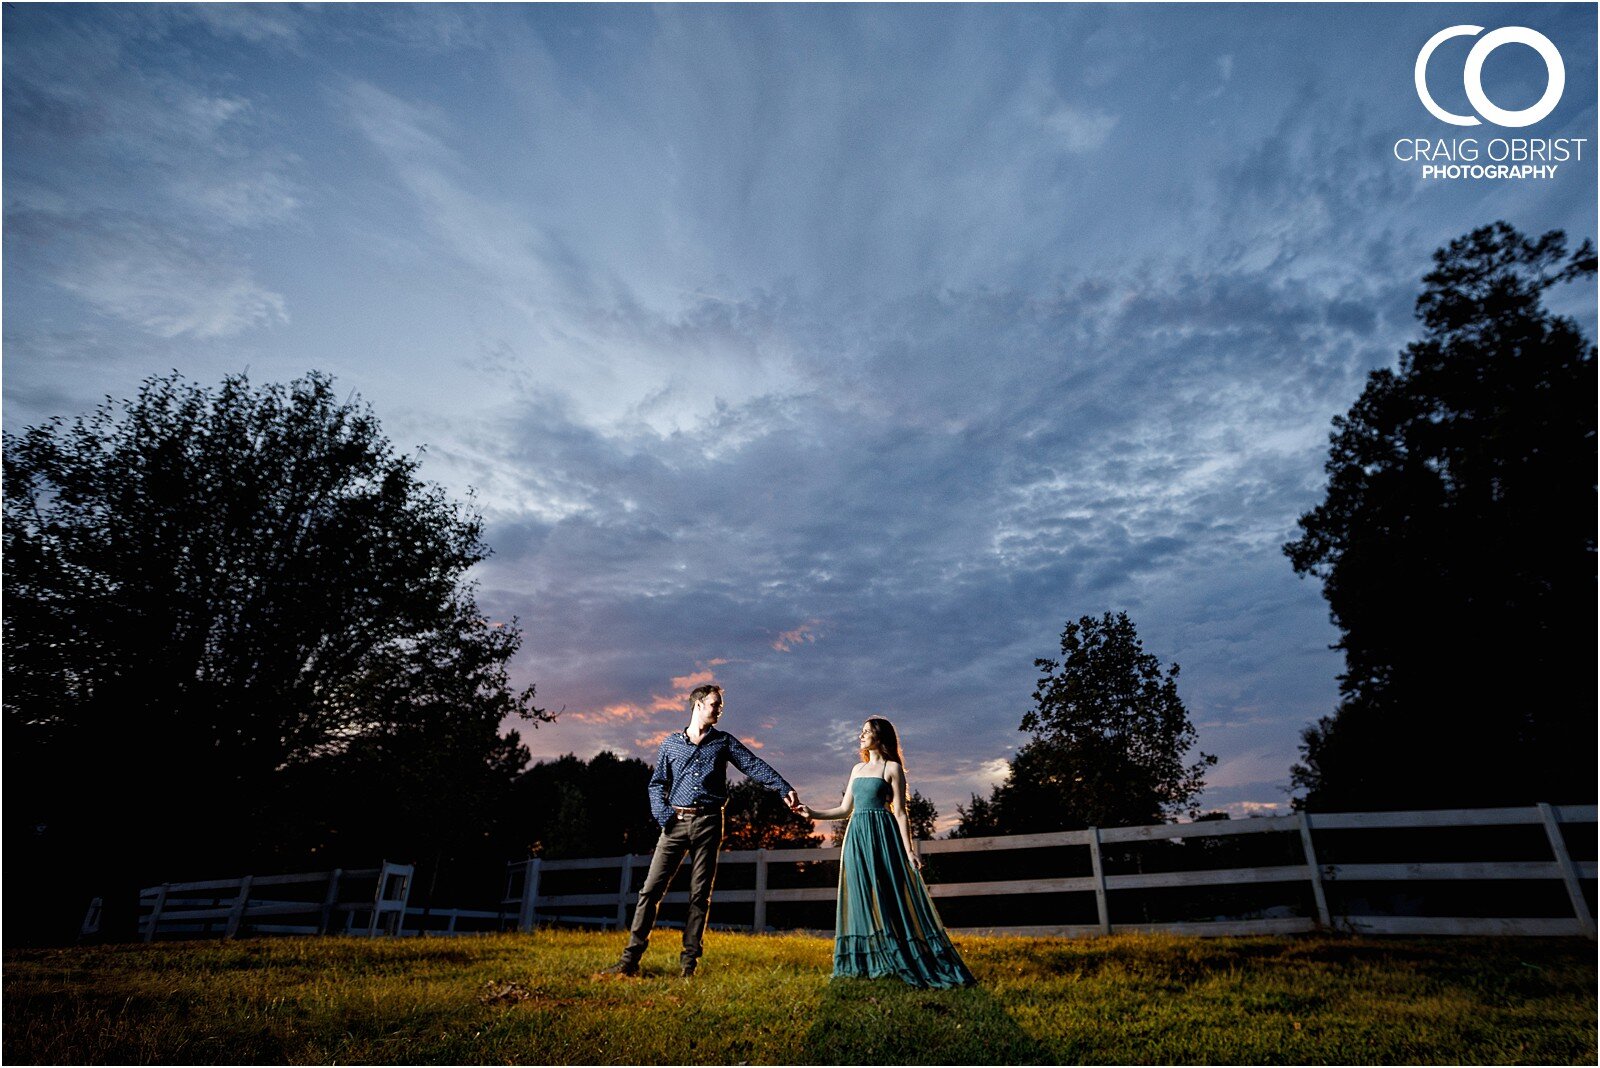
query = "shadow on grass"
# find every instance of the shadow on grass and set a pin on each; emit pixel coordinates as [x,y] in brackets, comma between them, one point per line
[884,1021]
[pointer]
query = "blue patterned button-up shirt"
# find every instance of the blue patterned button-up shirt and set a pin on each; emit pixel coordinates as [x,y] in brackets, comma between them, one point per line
[691,775]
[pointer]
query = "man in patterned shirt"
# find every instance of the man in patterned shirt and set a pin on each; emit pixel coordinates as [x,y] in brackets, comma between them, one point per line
[687,792]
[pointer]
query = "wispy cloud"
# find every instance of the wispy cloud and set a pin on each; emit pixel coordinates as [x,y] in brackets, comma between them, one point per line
[804,634]
[649,743]
[126,181]
[622,710]
[253,23]
[493,237]
[158,284]
[1076,127]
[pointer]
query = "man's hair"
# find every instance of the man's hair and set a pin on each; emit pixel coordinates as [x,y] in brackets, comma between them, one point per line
[705,691]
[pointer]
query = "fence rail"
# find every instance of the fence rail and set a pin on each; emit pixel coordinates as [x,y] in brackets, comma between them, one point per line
[530,904]
[197,907]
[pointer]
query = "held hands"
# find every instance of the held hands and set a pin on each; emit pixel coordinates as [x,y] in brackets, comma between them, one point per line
[792,799]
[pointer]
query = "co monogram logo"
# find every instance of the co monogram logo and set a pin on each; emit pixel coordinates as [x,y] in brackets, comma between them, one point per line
[1472,75]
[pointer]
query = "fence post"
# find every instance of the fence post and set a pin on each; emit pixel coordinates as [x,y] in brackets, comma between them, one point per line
[1569,874]
[236,914]
[91,918]
[384,906]
[624,886]
[530,894]
[1099,881]
[155,912]
[1317,890]
[329,900]
[759,920]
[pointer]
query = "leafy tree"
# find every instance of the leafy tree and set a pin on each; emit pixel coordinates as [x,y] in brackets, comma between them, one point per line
[1455,547]
[574,808]
[213,596]
[923,816]
[757,818]
[977,819]
[922,813]
[1110,735]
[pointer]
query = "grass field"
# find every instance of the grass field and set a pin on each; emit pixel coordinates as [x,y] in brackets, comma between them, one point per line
[530,999]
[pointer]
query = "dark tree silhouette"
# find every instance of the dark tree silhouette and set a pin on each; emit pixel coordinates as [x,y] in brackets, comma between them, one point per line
[574,808]
[216,596]
[976,819]
[1110,736]
[1456,548]
[923,815]
[757,818]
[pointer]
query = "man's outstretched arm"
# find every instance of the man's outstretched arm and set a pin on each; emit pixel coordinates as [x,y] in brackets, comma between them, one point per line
[760,771]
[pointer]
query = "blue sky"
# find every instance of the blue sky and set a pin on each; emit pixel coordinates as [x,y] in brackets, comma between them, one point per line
[841,354]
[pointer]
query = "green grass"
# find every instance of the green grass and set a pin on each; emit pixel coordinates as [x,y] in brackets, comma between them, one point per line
[517,999]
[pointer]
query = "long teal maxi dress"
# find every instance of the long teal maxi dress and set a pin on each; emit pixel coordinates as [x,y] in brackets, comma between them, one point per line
[886,923]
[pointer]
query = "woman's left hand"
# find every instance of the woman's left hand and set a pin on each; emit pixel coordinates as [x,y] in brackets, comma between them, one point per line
[916,861]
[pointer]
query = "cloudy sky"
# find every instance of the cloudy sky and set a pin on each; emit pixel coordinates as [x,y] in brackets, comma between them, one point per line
[839,354]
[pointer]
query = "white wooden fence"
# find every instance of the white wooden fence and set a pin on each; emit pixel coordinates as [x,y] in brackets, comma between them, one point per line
[525,900]
[237,905]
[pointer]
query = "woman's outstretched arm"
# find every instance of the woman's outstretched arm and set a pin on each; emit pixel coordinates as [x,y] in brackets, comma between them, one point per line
[846,804]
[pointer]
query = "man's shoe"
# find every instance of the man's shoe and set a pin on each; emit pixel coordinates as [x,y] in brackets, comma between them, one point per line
[687,972]
[621,970]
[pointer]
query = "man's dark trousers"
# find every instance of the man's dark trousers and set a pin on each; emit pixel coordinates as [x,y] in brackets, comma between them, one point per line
[696,838]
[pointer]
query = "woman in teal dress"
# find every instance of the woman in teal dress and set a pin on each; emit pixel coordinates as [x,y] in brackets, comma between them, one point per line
[886,923]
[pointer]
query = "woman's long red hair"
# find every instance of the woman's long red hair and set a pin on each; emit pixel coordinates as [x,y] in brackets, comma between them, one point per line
[888,741]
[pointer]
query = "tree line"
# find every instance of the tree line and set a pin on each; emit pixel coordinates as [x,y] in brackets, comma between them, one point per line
[570,807]
[238,633]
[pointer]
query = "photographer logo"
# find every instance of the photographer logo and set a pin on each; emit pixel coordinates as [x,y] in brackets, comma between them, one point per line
[1500,158]
[1472,75]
